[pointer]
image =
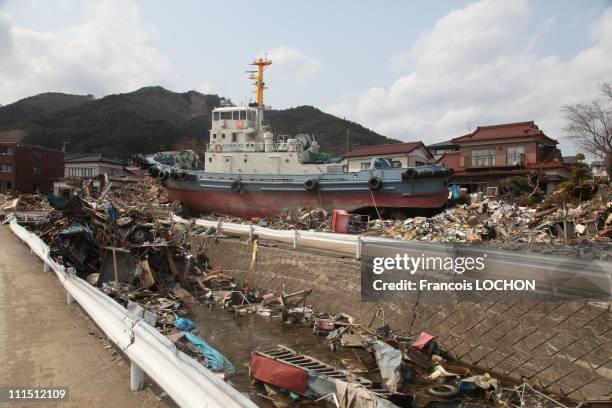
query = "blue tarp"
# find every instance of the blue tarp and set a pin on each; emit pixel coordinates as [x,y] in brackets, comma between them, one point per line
[112,213]
[456,192]
[183,324]
[59,203]
[214,360]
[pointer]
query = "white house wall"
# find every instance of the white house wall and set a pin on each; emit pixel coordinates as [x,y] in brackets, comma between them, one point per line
[97,169]
[407,160]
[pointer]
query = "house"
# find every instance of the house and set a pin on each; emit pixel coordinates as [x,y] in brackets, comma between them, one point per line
[438,149]
[599,170]
[91,166]
[26,168]
[569,160]
[490,154]
[401,155]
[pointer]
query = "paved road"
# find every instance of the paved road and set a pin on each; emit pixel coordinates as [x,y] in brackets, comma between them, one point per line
[45,342]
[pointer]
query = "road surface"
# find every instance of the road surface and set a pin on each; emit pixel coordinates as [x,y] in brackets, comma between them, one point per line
[44,342]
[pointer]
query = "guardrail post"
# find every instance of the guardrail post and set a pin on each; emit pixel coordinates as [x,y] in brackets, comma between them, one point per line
[295,239]
[251,232]
[69,299]
[358,248]
[136,377]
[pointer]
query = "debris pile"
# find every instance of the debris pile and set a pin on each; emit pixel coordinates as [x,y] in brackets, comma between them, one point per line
[382,367]
[491,219]
[317,219]
[124,245]
[24,202]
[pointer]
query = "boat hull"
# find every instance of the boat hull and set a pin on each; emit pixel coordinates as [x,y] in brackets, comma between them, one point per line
[261,204]
[260,195]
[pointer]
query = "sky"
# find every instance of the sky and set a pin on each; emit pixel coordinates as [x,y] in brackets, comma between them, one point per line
[412,70]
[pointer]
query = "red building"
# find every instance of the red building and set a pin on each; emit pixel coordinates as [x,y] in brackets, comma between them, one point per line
[491,153]
[28,169]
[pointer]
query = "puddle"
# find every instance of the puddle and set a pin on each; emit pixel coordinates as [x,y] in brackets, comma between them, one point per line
[237,336]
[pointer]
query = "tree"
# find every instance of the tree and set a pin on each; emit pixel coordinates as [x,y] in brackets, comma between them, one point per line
[590,125]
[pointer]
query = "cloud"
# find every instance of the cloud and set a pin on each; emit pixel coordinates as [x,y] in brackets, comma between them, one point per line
[113,51]
[290,62]
[477,66]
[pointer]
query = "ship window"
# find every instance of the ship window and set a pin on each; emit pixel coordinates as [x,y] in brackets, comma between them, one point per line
[214,135]
[226,115]
[245,160]
[222,135]
[235,115]
[234,137]
[215,115]
[242,115]
[210,159]
[251,115]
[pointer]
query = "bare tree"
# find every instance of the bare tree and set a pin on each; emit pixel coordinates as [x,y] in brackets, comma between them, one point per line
[590,125]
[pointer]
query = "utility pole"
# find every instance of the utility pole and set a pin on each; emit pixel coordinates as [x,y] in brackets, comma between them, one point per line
[347,150]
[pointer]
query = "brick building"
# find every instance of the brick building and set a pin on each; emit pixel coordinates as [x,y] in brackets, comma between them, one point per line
[28,169]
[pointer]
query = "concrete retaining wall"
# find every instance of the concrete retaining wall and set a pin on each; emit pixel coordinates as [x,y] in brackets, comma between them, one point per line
[564,347]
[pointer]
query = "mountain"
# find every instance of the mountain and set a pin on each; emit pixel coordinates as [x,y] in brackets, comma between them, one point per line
[153,118]
[329,130]
[36,107]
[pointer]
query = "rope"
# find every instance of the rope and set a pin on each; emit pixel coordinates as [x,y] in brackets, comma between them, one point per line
[375,206]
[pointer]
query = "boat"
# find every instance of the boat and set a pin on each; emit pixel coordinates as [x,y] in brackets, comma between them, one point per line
[247,171]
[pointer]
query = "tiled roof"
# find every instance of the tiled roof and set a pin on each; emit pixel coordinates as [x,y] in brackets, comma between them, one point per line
[386,149]
[503,131]
[88,158]
[442,144]
[452,160]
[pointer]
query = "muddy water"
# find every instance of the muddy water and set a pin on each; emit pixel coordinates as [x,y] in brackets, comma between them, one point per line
[236,336]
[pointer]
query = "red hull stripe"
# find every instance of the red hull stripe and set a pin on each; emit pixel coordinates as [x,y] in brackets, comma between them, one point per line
[260,204]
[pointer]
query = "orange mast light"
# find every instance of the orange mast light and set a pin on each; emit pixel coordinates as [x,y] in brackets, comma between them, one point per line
[262,64]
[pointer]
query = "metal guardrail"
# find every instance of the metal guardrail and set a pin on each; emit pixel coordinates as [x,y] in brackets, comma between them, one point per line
[578,276]
[186,381]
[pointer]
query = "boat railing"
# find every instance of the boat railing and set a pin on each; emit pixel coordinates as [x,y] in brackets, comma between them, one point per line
[266,147]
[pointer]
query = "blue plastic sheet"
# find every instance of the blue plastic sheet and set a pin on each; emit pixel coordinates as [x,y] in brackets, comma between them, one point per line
[215,360]
[59,203]
[183,324]
[112,213]
[456,192]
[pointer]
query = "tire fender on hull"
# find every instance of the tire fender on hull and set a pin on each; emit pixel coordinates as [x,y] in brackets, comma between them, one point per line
[162,175]
[236,186]
[375,183]
[311,184]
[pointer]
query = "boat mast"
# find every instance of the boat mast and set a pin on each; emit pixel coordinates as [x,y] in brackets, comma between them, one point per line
[261,64]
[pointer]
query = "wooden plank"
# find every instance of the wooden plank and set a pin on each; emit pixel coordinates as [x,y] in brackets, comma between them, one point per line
[115,270]
[146,279]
